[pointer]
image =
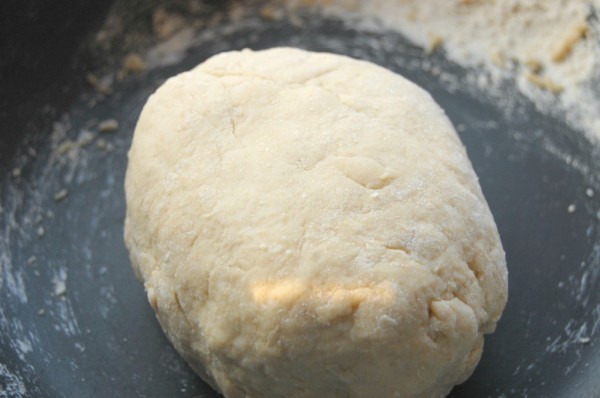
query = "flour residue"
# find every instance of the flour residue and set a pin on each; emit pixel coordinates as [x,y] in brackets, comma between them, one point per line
[34,286]
[11,385]
[59,282]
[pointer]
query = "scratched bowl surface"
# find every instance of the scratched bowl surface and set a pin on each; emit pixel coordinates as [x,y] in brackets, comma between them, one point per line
[74,321]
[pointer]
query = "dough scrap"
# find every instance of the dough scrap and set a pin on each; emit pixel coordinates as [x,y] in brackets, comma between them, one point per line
[309,225]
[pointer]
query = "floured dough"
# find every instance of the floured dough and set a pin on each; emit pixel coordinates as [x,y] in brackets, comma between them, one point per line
[309,225]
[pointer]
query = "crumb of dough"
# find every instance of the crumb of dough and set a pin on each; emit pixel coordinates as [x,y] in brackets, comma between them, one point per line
[99,85]
[104,145]
[269,12]
[85,138]
[60,288]
[295,20]
[544,83]
[534,65]
[565,48]
[60,195]
[237,12]
[584,340]
[571,208]
[589,192]
[108,125]
[40,232]
[133,63]
[16,172]
[165,24]
[31,260]
[65,147]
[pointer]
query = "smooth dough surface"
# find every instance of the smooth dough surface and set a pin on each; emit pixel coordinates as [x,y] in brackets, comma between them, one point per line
[309,225]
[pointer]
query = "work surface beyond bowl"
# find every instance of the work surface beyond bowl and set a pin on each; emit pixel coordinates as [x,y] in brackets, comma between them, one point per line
[74,322]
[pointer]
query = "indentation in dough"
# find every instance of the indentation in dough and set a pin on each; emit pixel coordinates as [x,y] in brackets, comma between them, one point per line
[473,265]
[176,298]
[365,171]
[180,308]
[446,317]
[432,331]
[397,246]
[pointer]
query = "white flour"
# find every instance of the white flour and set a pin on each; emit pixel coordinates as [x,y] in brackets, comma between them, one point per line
[549,48]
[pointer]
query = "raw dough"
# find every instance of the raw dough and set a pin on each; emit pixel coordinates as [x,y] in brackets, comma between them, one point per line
[309,225]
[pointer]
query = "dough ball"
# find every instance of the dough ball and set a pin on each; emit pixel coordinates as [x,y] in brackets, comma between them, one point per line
[309,225]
